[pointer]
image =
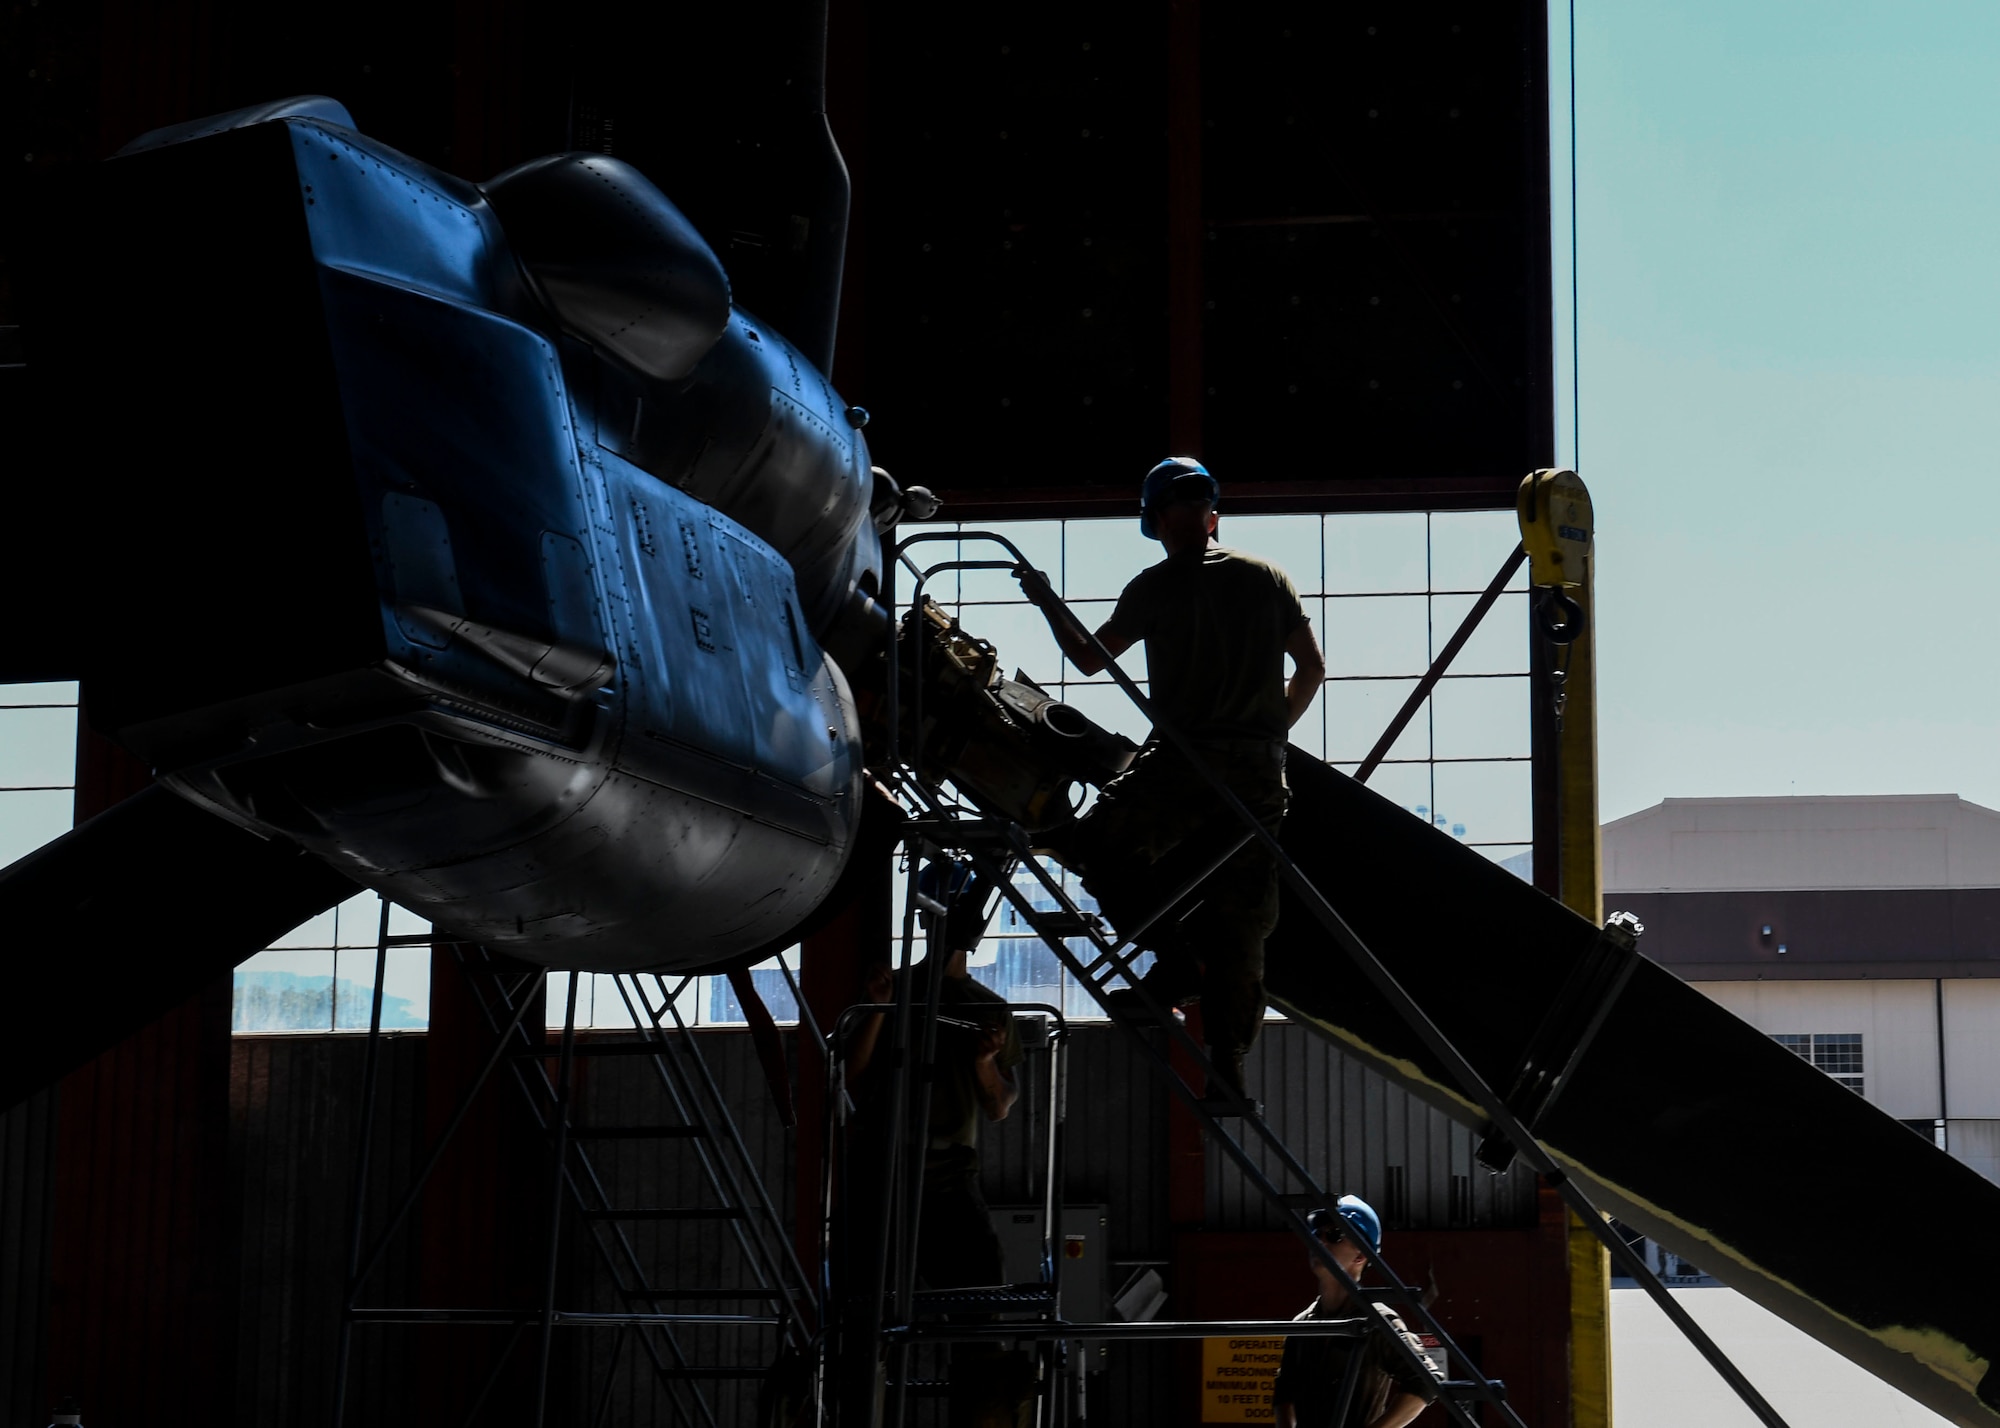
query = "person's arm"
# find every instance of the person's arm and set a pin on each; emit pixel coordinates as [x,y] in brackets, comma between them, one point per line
[993,1082]
[1308,672]
[1410,1390]
[1403,1406]
[1067,629]
[1284,1384]
[879,987]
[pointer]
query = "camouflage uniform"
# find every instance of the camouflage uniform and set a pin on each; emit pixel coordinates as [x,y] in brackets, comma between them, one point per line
[1152,829]
[1215,623]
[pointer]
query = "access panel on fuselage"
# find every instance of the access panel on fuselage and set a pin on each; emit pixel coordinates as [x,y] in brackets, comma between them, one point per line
[731,700]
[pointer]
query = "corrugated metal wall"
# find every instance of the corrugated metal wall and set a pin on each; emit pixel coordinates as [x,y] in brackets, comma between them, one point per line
[27,1171]
[1355,1133]
[142,1297]
[683,1255]
[1349,1127]
[1115,1153]
[1115,1140]
[294,1104]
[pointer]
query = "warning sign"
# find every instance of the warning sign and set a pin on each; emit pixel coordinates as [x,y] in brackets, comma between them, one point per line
[1236,1379]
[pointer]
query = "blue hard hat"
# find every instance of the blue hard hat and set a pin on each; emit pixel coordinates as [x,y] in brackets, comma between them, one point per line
[1356,1213]
[969,896]
[945,879]
[1171,472]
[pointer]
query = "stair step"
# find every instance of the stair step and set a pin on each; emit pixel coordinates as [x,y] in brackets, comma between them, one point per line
[550,1051]
[987,1296]
[711,1373]
[1063,924]
[637,1132]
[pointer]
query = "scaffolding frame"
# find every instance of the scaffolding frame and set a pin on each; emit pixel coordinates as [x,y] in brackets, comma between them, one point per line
[938,825]
[694,1097]
[895,1303]
[994,846]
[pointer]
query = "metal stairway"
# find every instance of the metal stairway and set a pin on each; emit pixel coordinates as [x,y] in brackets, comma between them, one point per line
[692,1338]
[996,850]
[940,824]
[902,1316]
[943,823]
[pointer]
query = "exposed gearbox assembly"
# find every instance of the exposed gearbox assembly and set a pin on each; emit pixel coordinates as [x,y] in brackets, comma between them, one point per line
[1008,745]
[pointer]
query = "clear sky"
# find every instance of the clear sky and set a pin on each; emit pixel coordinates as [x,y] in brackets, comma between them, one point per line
[1789,240]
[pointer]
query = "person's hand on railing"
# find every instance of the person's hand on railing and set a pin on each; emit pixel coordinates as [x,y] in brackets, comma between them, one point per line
[992,1041]
[1036,587]
[878,984]
[1083,650]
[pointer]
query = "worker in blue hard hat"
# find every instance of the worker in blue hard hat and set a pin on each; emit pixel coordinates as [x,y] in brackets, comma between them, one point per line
[973,1079]
[1218,626]
[1388,1392]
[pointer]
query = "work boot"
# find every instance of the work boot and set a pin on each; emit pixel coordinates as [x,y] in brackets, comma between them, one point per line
[1065,843]
[1226,1095]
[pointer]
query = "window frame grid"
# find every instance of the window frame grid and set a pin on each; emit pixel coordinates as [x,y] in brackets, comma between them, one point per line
[948,591]
[701,996]
[74,704]
[363,944]
[1826,1052]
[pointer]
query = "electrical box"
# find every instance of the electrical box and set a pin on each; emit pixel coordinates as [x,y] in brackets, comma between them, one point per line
[1083,1260]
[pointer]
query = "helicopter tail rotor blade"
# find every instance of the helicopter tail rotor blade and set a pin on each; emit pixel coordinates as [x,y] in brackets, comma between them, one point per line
[120,920]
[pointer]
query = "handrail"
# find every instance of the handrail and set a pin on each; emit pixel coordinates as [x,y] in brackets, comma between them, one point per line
[1495,588]
[1460,1069]
[1163,1017]
[903,1198]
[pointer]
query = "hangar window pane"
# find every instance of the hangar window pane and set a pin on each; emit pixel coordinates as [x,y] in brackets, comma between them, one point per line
[724,1008]
[320,976]
[1837,1053]
[1385,593]
[37,766]
[610,1003]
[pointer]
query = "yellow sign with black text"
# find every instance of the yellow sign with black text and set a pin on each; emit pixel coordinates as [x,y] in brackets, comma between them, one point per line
[1236,1379]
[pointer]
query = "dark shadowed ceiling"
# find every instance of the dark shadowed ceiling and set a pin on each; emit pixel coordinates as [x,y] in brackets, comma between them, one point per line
[1307,241]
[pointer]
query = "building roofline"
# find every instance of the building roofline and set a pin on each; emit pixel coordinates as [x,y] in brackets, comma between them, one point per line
[1798,799]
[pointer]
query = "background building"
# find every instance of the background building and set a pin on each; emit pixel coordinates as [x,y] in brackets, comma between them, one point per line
[1861,932]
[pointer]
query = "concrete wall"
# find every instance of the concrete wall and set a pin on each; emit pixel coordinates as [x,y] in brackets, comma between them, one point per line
[1972,1048]
[1897,1021]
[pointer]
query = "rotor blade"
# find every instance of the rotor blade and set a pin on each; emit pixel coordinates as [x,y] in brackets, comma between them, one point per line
[119,921]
